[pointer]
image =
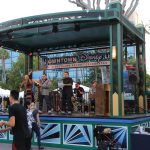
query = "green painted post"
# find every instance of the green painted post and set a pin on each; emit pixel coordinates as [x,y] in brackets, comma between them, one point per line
[144,76]
[111,75]
[30,63]
[116,66]
[26,63]
[142,68]
[120,64]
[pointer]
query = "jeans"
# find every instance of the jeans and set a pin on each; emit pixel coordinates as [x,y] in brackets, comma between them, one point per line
[47,100]
[36,129]
[66,103]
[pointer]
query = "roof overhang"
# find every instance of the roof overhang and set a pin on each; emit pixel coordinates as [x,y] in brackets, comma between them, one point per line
[70,29]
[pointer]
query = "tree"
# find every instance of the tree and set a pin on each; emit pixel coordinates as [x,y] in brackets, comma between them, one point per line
[147,81]
[15,75]
[35,63]
[132,61]
[94,74]
[128,8]
[4,54]
[54,84]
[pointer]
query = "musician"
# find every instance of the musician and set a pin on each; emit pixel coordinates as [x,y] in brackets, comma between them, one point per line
[79,91]
[67,93]
[27,86]
[92,93]
[44,94]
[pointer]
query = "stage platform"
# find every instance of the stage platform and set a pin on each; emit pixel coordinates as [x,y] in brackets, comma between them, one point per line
[74,131]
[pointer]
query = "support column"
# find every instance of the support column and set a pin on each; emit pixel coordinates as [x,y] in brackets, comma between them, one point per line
[28,63]
[116,70]
[38,62]
[139,101]
[142,73]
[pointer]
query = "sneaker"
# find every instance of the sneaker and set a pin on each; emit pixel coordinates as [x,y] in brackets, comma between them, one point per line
[69,112]
[63,113]
[41,147]
[40,111]
[49,112]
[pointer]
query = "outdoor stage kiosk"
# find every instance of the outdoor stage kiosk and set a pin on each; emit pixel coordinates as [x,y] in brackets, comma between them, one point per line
[96,28]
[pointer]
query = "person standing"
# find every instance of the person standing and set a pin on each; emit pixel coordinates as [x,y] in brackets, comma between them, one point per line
[44,94]
[36,124]
[17,122]
[29,119]
[92,94]
[27,86]
[67,93]
[79,91]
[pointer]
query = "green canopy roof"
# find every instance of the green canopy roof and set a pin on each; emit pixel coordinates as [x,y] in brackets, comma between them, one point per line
[51,32]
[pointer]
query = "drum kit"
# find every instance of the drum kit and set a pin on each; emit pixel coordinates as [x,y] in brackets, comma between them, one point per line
[77,104]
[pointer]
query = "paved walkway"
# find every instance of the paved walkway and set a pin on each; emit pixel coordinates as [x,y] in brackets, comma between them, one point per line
[8,147]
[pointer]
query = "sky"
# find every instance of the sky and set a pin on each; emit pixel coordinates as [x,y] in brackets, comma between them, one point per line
[12,9]
[143,11]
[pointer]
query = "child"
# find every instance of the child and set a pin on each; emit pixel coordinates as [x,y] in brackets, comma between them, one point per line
[36,124]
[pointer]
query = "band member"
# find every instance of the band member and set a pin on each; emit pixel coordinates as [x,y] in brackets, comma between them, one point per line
[79,91]
[27,86]
[92,93]
[67,93]
[44,94]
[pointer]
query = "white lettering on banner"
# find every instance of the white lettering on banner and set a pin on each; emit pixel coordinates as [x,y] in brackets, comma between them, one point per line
[52,61]
[77,65]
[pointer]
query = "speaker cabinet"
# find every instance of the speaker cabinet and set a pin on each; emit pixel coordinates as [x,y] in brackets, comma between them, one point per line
[102,100]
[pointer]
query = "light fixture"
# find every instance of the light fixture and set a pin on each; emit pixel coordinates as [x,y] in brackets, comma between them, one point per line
[114,52]
[76,26]
[55,28]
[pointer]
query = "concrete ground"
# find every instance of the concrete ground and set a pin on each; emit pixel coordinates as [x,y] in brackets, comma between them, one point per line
[8,147]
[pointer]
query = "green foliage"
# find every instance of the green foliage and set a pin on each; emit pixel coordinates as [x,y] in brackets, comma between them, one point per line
[94,74]
[35,63]
[4,54]
[15,75]
[147,81]
[53,84]
[131,61]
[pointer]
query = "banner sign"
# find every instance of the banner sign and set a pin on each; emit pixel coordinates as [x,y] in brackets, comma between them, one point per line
[82,60]
[127,87]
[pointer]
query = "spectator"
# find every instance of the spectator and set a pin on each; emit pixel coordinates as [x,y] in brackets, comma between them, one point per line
[36,124]
[17,122]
